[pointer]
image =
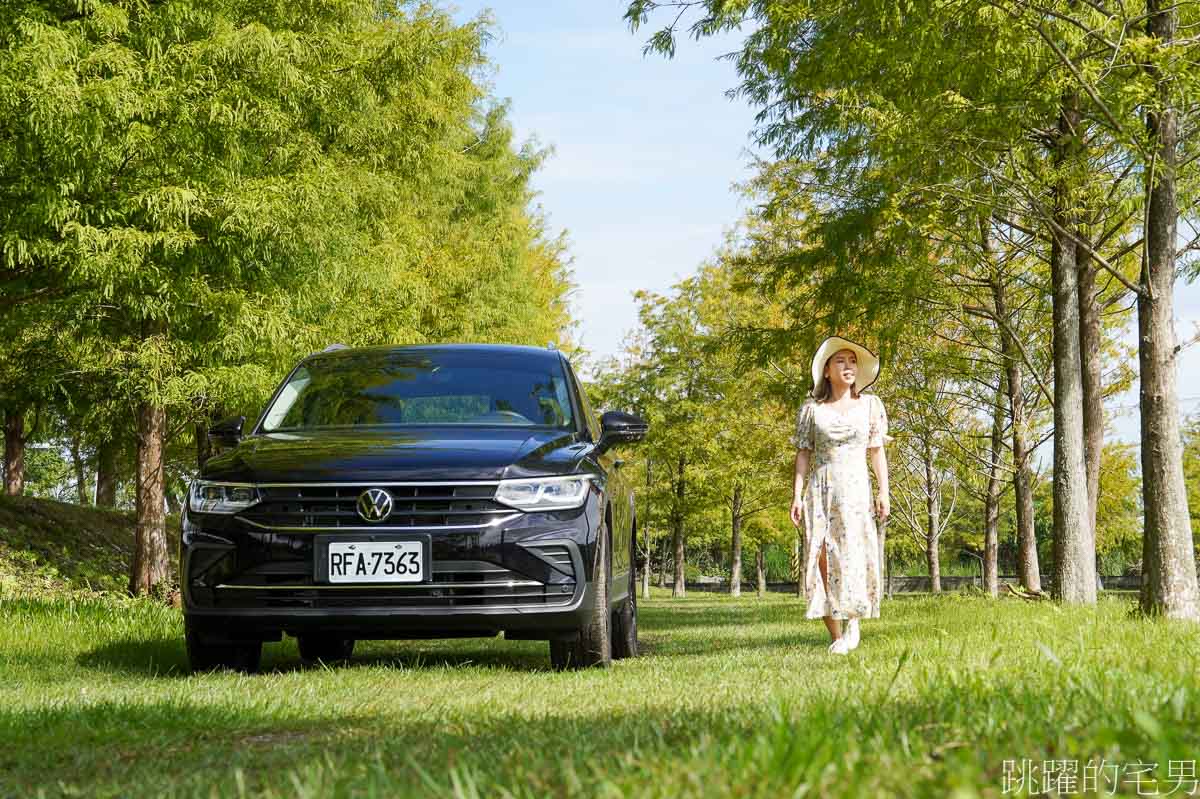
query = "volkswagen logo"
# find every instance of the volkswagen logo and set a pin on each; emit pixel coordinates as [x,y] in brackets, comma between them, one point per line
[375,505]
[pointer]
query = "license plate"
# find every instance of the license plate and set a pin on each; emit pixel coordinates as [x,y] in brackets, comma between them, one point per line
[376,561]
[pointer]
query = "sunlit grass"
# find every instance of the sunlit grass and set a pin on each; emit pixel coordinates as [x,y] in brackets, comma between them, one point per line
[732,698]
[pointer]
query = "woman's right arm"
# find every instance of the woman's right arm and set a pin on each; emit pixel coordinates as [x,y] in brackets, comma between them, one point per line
[802,456]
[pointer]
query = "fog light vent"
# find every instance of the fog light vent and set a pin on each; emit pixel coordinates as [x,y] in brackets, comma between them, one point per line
[557,555]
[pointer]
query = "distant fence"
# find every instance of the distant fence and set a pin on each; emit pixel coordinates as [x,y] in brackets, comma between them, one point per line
[905,584]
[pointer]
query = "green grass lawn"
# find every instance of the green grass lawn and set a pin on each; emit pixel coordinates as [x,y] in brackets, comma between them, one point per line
[732,698]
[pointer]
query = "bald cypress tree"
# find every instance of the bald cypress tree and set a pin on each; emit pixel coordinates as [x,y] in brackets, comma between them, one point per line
[222,186]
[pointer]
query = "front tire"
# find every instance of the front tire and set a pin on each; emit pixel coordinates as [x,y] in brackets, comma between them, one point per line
[208,651]
[592,646]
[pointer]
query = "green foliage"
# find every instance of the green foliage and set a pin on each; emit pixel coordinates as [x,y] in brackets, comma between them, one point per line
[910,189]
[1191,474]
[49,474]
[194,194]
[719,441]
[1119,507]
[777,561]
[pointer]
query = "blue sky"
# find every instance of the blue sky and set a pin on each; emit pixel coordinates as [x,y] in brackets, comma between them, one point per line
[647,152]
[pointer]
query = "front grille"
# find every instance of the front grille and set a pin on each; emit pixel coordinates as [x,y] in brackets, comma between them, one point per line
[454,584]
[332,507]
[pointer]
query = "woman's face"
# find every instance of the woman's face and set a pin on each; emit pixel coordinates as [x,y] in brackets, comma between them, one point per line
[842,369]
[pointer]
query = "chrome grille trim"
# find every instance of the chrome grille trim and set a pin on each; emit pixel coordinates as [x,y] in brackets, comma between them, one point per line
[417,505]
[383,484]
[387,586]
[380,528]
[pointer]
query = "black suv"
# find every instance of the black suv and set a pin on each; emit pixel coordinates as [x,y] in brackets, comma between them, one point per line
[414,492]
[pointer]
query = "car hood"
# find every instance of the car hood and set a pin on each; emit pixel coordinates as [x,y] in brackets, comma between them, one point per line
[417,454]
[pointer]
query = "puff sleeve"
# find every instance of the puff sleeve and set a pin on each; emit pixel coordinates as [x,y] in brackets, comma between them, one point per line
[803,438]
[878,434]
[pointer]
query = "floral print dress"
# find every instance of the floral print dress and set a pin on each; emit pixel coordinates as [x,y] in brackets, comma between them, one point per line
[838,509]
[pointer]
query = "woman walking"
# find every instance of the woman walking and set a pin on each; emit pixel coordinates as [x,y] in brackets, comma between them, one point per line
[838,430]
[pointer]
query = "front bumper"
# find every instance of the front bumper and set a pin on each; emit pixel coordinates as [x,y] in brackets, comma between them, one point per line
[383,622]
[527,576]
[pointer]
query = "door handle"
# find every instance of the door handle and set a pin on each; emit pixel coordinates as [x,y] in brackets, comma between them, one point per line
[618,463]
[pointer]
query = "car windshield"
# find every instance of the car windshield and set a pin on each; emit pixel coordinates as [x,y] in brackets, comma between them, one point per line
[387,389]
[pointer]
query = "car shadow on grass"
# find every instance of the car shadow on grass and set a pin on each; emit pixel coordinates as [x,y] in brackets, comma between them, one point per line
[667,631]
[154,657]
[411,655]
[167,658]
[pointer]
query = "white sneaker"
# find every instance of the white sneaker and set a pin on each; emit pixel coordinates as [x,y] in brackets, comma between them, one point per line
[839,647]
[851,634]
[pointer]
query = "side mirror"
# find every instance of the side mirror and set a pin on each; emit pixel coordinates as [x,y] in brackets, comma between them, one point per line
[226,433]
[620,428]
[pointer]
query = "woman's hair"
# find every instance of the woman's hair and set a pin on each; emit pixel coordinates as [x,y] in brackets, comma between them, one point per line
[823,391]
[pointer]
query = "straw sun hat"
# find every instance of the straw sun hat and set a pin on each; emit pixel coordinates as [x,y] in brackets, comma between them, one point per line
[868,362]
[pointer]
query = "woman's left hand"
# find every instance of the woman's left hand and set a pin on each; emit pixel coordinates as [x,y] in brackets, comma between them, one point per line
[882,506]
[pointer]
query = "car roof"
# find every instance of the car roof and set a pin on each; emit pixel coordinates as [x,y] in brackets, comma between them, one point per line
[523,352]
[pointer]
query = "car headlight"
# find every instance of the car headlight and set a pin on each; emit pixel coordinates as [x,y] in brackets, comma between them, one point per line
[545,493]
[209,497]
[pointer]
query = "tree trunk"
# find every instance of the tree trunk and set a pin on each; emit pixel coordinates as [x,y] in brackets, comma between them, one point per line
[735,569]
[646,572]
[649,550]
[679,589]
[662,567]
[933,521]
[991,506]
[1028,569]
[150,561]
[760,569]
[1169,585]
[80,464]
[106,474]
[991,535]
[1074,547]
[1093,386]
[933,561]
[1028,566]
[14,453]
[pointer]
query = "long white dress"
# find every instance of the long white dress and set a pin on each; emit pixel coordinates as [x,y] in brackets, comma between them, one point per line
[838,508]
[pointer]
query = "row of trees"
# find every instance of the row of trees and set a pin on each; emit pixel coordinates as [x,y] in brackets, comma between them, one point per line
[715,469]
[988,189]
[195,193]
[714,461]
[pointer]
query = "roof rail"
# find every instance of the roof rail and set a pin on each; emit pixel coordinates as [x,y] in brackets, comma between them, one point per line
[335,348]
